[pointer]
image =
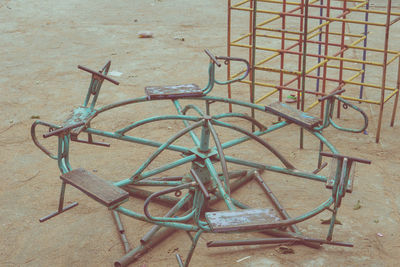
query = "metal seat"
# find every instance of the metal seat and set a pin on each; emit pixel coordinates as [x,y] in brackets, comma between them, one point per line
[174,91]
[293,115]
[100,190]
[242,220]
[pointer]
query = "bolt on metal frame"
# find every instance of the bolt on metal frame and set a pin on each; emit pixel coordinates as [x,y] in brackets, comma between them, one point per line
[277,41]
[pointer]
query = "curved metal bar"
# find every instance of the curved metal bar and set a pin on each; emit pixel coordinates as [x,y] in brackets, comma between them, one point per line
[122,103]
[194,107]
[221,156]
[166,191]
[138,140]
[36,141]
[259,140]
[67,139]
[298,173]
[325,205]
[231,101]
[243,116]
[164,146]
[211,79]
[176,225]
[226,61]
[204,98]
[63,148]
[168,166]
[356,109]
[154,119]
[258,133]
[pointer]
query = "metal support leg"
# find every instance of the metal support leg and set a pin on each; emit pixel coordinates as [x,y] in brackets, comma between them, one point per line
[121,231]
[191,251]
[61,207]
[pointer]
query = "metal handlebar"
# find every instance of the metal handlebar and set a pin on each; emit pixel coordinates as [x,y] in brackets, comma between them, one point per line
[226,61]
[333,94]
[51,133]
[211,70]
[36,141]
[98,74]
[63,130]
[329,112]
[212,57]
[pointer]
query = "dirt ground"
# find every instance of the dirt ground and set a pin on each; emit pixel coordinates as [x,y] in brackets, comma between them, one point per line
[43,41]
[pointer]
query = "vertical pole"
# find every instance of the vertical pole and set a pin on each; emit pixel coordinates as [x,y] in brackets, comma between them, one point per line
[253,58]
[282,53]
[228,53]
[319,44]
[364,52]
[300,50]
[61,201]
[382,102]
[326,50]
[303,71]
[342,53]
[397,95]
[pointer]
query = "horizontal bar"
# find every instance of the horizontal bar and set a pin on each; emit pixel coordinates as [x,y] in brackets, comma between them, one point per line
[330,155]
[273,241]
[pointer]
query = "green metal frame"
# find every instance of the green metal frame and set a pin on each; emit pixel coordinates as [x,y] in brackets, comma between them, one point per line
[202,158]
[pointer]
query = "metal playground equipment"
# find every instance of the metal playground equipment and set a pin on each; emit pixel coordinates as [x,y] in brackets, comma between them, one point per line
[332,44]
[211,175]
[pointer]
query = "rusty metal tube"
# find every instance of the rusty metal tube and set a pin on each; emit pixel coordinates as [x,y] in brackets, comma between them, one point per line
[136,253]
[121,231]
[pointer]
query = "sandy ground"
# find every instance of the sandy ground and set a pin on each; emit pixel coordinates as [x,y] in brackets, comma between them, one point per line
[42,42]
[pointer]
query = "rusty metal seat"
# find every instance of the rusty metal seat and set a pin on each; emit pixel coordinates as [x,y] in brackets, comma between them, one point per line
[95,187]
[293,115]
[242,220]
[173,91]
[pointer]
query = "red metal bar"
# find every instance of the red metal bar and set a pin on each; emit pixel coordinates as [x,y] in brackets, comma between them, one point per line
[341,52]
[300,43]
[378,131]
[397,96]
[228,52]
[326,50]
[283,27]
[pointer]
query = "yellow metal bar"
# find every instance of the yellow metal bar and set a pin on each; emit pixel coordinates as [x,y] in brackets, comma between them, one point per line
[279,70]
[265,96]
[345,68]
[270,85]
[391,95]
[241,38]
[370,11]
[267,59]
[346,34]
[257,64]
[360,100]
[278,37]
[372,49]
[371,85]
[316,66]
[312,105]
[258,11]
[278,30]
[269,21]
[353,77]
[393,59]
[357,22]
[240,3]
[355,61]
